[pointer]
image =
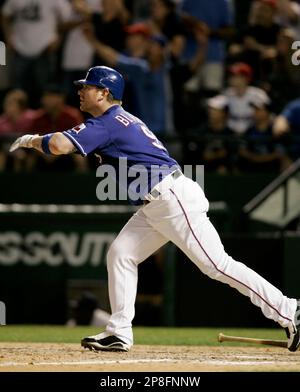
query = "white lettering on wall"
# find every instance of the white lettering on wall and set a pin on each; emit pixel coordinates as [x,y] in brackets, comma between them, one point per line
[53,249]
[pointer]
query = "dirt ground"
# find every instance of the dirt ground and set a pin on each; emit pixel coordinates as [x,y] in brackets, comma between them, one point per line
[35,357]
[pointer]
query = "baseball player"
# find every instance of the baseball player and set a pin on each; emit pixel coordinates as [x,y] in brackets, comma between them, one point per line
[173,209]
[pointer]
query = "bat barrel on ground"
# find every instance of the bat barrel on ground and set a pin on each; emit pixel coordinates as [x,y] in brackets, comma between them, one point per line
[269,342]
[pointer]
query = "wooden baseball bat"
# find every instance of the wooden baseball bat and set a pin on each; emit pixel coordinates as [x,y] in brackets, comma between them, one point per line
[270,342]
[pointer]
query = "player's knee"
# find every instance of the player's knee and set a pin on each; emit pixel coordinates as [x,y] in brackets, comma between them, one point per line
[114,254]
[117,254]
[110,256]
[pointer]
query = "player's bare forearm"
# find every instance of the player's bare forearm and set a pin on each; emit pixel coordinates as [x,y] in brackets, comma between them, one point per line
[56,143]
[59,144]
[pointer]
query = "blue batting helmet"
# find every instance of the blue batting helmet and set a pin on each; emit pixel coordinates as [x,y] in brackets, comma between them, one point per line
[105,77]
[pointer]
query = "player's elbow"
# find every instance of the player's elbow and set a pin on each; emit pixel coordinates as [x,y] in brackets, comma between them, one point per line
[60,145]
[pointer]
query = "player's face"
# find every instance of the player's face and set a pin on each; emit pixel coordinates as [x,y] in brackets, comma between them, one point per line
[90,96]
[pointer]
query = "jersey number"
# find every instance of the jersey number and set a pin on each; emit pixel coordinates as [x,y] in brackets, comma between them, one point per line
[151,136]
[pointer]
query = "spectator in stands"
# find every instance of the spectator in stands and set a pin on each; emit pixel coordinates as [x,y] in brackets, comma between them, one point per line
[288,15]
[140,9]
[214,18]
[258,150]
[164,20]
[136,46]
[181,71]
[77,54]
[109,25]
[287,128]
[258,39]
[283,79]
[56,115]
[149,78]
[240,95]
[16,118]
[5,82]
[137,40]
[218,140]
[261,32]
[31,32]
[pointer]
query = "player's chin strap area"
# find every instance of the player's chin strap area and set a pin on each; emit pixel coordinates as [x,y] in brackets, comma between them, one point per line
[163,186]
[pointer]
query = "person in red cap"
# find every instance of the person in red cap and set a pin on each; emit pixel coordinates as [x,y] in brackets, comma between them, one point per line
[241,69]
[138,28]
[240,94]
[137,36]
[147,76]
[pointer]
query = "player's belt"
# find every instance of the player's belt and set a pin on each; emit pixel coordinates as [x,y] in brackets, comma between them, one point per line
[162,186]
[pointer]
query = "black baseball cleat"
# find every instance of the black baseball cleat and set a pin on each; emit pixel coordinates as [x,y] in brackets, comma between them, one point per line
[110,343]
[294,335]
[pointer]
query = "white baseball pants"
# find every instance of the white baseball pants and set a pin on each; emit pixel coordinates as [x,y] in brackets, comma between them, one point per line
[180,216]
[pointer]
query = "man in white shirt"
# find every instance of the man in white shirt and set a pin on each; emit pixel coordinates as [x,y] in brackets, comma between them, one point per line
[77,53]
[31,29]
[240,95]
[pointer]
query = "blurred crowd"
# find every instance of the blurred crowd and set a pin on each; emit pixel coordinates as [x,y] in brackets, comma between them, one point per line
[219,77]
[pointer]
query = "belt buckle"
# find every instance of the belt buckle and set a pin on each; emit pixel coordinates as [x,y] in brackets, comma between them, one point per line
[155,193]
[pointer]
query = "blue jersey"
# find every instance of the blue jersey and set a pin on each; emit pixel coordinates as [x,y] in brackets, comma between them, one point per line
[119,136]
[292,113]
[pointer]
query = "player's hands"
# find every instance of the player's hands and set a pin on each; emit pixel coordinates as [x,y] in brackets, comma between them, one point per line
[23,141]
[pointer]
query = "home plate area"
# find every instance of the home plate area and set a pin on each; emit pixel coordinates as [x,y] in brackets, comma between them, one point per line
[71,357]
